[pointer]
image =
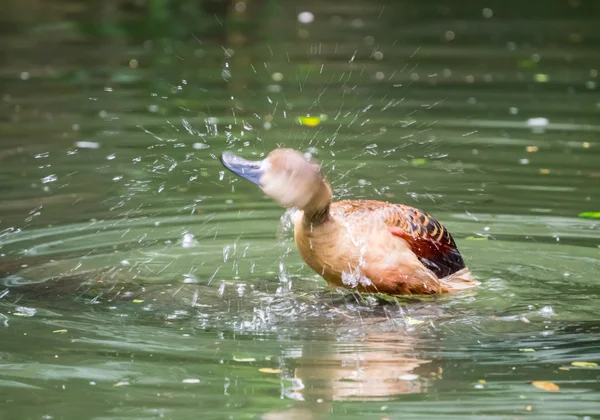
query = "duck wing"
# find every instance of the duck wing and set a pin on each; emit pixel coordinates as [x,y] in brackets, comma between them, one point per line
[428,239]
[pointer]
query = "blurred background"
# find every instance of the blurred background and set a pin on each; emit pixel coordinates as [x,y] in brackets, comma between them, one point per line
[141,280]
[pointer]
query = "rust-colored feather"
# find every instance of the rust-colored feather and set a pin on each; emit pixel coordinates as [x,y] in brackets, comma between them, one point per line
[428,238]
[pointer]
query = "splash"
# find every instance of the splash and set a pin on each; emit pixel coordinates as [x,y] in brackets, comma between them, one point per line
[286,225]
[355,278]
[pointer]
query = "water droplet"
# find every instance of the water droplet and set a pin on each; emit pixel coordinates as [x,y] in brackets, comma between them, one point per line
[226,250]
[538,125]
[240,7]
[306,17]
[273,89]
[187,240]
[189,279]
[87,144]
[357,23]
[49,178]
[547,311]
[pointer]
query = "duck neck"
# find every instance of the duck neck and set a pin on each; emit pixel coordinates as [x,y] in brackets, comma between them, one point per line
[317,210]
[317,217]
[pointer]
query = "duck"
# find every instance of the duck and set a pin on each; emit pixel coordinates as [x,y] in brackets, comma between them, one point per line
[367,245]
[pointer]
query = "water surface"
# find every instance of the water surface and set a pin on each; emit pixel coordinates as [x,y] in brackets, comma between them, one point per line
[140,280]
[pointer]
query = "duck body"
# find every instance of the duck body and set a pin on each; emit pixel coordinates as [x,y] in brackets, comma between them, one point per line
[374,246]
[367,245]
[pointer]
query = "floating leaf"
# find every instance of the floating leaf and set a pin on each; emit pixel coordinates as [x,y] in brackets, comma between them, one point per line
[590,215]
[59,331]
[244,359]
[546,386]
[584,364]
[270,370]
[309,121]
[527,350]
[541,78]
[124,383]
[526,63]
[419,161]
[138,300]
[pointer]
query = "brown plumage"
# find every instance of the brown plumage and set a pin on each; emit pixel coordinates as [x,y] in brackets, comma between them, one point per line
[368,245]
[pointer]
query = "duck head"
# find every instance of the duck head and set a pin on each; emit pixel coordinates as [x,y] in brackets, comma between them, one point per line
[287,176]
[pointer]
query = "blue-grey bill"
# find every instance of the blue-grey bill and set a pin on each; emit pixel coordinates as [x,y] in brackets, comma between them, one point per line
[251,170]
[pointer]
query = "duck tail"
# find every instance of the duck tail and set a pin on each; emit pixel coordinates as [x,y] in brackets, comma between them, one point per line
[461,280]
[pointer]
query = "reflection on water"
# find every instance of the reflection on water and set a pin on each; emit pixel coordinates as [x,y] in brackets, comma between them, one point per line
[379,367]
[139,280]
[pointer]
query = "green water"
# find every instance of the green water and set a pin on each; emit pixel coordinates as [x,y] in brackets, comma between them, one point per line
[142,281]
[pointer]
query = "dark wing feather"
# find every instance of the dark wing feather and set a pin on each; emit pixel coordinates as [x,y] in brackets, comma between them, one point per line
[428,239]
